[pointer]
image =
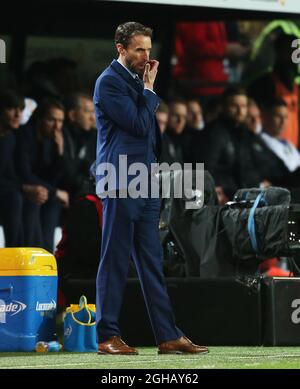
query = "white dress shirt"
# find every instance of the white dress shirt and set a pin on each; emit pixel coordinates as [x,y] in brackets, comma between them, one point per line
[284,150]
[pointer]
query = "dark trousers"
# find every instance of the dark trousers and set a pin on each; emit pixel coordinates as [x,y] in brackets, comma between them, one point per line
[11,207]
[130,227]
[40,222]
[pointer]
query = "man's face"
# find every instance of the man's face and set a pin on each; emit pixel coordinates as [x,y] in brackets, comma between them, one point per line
[194,114]
[52,122]
[162,119]
[177,117]
[137,53]
[253,118]
[11,118]
[83,116]
[236,108]
[276,120]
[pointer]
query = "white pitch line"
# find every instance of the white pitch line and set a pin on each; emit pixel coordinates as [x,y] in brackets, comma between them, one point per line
[265,356]
[97,363]
[90,363]
[145,361]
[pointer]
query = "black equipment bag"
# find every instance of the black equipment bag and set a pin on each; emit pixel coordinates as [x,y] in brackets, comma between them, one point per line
[218,240]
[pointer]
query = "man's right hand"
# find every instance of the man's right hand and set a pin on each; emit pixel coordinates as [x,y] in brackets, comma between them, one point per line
[150,73]
[36,193]
[59,141]
[63,196]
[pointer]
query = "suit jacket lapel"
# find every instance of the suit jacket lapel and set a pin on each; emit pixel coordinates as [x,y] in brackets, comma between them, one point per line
[128,78]
[125,75]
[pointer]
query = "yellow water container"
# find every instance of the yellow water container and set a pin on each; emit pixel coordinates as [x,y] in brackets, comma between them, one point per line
[28,294]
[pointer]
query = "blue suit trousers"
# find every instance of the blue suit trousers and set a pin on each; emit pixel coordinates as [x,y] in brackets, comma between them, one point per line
[130,229]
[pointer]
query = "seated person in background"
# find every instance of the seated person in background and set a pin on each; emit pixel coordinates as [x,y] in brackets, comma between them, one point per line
[162,116]
[280,83]
[194,138]
[194,119]
[275,119]
[222,156]
[171,147]
[40,160]
[213,109]
[268,167]
[183,139]
[253,120]
[11,196]
[235,155]
[80,144]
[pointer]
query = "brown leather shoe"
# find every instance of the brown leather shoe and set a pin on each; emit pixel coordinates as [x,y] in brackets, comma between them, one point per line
[116,346]
[181,346]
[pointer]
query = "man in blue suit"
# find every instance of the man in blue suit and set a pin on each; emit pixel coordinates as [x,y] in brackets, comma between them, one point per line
[125,106]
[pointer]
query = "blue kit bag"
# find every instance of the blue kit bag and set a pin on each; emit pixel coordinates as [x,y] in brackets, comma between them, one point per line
[80,327]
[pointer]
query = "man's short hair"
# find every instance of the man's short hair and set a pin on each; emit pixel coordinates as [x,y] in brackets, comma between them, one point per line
[252,101]
[11,99]
[45,105]
[126,31]
[274,103]
[193,100]
[233,90]
[73,101]
[163,108]
[176,101]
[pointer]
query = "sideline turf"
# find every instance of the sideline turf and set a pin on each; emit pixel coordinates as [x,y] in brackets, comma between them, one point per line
[218,358]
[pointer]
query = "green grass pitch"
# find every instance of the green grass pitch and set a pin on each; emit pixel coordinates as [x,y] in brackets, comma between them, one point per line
[218,358]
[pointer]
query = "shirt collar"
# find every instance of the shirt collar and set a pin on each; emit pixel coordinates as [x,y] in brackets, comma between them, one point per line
[133,75]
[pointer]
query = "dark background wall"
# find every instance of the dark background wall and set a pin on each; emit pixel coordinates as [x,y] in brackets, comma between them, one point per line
[92,19]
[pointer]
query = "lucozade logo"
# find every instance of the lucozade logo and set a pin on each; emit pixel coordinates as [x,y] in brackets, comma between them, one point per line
[46,306]
[13,308]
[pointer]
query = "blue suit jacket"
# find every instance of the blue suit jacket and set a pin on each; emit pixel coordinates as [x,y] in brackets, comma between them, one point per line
[126,123]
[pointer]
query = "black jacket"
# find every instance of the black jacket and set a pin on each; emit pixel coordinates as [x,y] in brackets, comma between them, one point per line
[80,153]
[227,156]
[9,179]
[38,160]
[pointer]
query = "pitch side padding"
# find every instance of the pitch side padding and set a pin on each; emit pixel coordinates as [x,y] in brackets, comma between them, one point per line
[281,311]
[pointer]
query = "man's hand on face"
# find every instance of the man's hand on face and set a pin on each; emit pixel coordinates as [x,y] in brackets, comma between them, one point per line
[63,196]
[150,73]
[59,141]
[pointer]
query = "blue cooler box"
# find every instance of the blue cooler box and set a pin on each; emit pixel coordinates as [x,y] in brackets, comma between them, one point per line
[28,292]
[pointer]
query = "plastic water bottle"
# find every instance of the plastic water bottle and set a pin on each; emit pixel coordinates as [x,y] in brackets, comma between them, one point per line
[44,347]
